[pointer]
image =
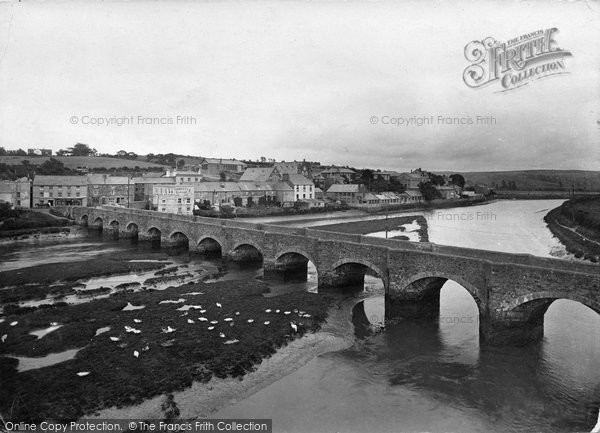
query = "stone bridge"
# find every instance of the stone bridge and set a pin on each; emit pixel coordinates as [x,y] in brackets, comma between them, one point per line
[512,291]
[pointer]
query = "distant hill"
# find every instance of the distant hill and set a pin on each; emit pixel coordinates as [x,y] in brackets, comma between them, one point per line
[538,180]
[73,162]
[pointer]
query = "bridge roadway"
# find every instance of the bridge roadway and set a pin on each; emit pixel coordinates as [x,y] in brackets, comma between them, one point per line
[512,291]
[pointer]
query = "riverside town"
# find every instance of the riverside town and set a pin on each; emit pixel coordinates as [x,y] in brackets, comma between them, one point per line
[299,217]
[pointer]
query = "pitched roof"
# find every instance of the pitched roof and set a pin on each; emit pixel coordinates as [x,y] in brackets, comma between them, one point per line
[257,174]
[287,167]
[60,180]
[338,187]
[222,161]
[103,179]
[298,179]
[216,187]
[340,170]
[153,180]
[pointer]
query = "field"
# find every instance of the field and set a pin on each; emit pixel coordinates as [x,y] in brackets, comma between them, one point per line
[74,162]
[538,180]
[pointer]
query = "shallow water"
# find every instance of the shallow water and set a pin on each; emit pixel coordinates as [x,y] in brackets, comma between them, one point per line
[45,361]
[417,376]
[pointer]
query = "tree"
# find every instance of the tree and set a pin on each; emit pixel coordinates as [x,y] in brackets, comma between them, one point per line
[222,176]
[366,177]
[436,179]
[458,180]
[52,167]
[180,163]
[81,149]
[429,191]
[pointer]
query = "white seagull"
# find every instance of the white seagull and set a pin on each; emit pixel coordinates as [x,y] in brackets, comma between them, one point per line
[267,322]
[219,305]
[210,328]
[250,320]
[168,330]
[114,338]
[136,353]
[190,321]
[83,373]
[294,327]
[221,335]
[203,319]
[4,338]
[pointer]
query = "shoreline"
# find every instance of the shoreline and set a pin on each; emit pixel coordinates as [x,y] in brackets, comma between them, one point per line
[575,243]
[42,234]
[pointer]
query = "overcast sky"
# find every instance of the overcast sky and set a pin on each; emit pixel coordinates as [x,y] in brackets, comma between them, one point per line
[297,80]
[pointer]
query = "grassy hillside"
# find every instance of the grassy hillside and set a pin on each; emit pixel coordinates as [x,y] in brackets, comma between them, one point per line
[538,180]
[73,162]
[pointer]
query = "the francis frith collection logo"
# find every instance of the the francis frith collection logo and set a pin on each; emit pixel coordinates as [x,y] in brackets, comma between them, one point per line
[515,63]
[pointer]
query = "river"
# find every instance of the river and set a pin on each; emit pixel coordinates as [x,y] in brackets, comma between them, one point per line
[410,376]
[418,377]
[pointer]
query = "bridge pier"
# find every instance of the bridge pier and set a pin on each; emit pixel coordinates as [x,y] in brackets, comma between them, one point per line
[420,300]
[245,253]
[516,327]
[290,268]
[110,232]
[343,276]
[127,234]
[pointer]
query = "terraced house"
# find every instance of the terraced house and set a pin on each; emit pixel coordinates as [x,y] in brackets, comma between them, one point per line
[59,191]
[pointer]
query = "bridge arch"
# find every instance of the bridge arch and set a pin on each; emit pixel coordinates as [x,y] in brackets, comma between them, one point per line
[473,291]
[246,251]
[350,272]
[552,296]
[292,264]
[179,239]
[294,250]
[210,245]
[418,297]
[98,223]
[83,220]
[152,234]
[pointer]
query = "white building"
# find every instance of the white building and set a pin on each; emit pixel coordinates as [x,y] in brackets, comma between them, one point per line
[177,199]
[304,188]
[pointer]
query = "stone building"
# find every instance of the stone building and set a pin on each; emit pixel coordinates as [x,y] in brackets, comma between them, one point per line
[16,192]
[103,189]
[143,189]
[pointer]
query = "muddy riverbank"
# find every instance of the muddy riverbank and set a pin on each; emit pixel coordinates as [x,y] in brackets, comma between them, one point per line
[157,342]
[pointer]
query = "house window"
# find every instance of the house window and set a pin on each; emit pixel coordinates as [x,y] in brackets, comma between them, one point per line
[164,201]
[77,194]
[164,209]
[178,201]
[188,200]
[303,195]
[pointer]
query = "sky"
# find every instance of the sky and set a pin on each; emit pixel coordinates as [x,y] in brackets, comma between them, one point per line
[294,80]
